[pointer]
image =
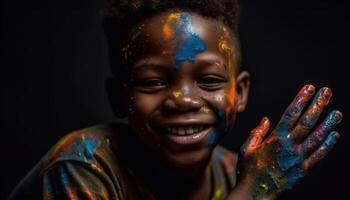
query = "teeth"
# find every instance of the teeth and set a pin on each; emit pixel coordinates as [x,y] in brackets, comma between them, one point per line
[185,130]
[181,131]
[189,130]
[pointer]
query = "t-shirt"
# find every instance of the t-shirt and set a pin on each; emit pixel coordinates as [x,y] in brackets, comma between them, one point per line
[86,164]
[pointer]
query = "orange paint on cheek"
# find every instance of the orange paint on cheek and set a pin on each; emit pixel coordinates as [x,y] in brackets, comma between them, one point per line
[231,97]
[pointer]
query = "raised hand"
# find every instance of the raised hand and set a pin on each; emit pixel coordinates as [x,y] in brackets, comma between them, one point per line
[278,162]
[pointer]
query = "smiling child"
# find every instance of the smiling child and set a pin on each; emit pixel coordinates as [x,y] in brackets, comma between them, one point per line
[179,82]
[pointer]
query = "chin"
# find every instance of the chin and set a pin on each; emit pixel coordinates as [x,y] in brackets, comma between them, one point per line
[188,159]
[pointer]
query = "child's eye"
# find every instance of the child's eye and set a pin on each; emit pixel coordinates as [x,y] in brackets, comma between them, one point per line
[152,84]
[211,82]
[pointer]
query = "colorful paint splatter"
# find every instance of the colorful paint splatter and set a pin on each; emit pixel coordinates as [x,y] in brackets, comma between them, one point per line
[179,27]
[281,161]
[83,165]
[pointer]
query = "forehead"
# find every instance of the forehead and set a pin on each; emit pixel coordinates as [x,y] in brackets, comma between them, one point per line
[163,26]
[161,35]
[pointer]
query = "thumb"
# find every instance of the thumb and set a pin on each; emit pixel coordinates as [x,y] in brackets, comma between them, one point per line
[256,136]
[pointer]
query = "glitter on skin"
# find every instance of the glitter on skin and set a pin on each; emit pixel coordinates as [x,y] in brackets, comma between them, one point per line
[179,26]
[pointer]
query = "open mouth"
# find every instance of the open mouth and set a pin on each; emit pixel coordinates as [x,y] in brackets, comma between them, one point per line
[189,134]
[186,130]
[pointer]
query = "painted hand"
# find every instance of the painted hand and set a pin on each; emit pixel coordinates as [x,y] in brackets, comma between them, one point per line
[277,163]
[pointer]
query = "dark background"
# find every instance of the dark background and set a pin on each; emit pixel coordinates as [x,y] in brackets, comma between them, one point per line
[54,65]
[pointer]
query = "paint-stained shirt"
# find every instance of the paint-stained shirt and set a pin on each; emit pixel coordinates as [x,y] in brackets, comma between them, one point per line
[84,165]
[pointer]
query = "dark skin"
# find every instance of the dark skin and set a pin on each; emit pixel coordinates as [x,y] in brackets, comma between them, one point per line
[181,110]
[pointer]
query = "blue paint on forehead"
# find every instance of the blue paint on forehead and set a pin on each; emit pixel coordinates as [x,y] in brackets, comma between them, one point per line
[192,45]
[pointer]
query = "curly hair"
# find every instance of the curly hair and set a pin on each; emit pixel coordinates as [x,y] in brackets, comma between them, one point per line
[121,16]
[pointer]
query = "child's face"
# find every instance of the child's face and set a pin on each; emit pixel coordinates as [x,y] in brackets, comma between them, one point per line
[184,90]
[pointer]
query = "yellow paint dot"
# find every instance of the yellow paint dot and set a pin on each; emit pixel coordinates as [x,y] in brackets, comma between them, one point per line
[217,193]
[177,93]
[264,187]
[205,109]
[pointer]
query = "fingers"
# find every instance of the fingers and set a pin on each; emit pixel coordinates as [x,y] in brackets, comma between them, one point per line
[318,136]
[256,135]
[294,110]
[322,151]
[310,117]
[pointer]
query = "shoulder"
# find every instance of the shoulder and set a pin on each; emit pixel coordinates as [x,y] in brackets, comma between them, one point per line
[82,160]
[81,145]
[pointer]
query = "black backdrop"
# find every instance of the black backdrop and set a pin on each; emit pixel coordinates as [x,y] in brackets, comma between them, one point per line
[54,64]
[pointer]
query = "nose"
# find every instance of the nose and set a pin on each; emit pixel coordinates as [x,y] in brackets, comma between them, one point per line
[183,99]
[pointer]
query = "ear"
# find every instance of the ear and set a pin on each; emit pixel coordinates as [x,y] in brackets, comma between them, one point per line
[242,87]
[117,97]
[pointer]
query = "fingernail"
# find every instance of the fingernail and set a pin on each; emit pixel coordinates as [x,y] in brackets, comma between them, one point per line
[337,115]
[310,89]
[331,139]
[326,92]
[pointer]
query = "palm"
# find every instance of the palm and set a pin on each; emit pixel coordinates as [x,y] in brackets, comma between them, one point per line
[294,146]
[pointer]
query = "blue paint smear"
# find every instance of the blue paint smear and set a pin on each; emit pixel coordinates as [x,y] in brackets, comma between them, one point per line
[331,120]
[294,176]
[188,51]
[221,114]
[83,149]
[193,44]
[292,111]
[282,133]
[64,178]
[290,161]
[213,137]
[90,146]
[330,141]
[287,158]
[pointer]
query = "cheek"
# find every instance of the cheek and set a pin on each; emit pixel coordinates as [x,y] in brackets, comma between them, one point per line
[224,103]
[225,100]
[143,106]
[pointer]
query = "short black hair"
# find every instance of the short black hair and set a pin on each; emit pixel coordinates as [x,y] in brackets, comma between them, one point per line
[121,16]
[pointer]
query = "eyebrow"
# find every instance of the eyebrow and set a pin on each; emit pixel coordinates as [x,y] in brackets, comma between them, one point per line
[151,64]
[211,62]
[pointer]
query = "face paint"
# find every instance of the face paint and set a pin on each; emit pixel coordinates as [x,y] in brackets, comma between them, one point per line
[179,27]
[213,138]
[177,94]
[183,37]
[205,109]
